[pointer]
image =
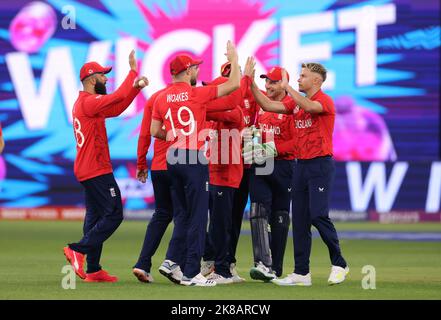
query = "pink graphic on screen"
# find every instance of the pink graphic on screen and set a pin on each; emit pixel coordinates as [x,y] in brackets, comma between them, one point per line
[360,134]
[32,26]
[204,15]
[2,169]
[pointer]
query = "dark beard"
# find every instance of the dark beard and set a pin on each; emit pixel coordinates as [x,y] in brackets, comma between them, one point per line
[100,88]
[193,82]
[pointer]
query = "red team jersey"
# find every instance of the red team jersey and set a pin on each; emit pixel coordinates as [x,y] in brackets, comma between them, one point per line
[182,110]
[248,104]
[314,131]
[159,161]
[225,174]
[89,113]
[281,127]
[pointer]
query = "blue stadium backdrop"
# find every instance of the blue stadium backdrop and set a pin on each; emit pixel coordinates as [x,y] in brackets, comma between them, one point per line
[382,57]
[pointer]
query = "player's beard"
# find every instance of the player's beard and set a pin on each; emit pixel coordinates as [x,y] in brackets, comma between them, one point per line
[100,88]
[193,82]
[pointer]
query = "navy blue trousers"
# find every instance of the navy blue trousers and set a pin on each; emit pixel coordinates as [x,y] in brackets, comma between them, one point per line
[274,192]
[217,244]
[239,203]
[104,214]
[190,182]
[160,220]
[312,184]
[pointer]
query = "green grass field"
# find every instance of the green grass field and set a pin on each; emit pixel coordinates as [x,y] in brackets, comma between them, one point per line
[31,260]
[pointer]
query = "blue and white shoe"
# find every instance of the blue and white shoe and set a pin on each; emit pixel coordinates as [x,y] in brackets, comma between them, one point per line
[172,271]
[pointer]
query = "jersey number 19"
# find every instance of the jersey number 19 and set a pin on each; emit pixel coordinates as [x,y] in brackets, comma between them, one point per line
[190,122]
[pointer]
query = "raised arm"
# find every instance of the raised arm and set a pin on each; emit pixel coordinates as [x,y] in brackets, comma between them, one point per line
[97,104]
[265,103]
[119,108]
[225,103]
[126,92]
[303,102]
[233,117]
[233,82]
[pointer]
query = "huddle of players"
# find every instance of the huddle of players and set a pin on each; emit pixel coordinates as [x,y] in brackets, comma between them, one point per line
[191,176]
[198,167]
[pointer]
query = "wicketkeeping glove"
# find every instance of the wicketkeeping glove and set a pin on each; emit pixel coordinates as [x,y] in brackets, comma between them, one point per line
[263,152]
[259,153]
[247,153]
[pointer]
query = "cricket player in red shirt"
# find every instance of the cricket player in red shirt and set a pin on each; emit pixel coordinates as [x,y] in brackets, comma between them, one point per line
[314,170]
[164,200]
[2,141]
[164,204]
[249,110]
[270,193]
[225,170]
[93,168]
[182,110]
[161,182]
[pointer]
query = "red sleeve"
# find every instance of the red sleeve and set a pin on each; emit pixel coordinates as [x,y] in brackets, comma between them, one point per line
[257,117]
[120,107]
[1,133]
[214,116]
[156,115]
[247,94]
[245,87]
[225,103]
[145,138]
[327,104]
[233,117]
[96,104]
[204,94]
[289,105]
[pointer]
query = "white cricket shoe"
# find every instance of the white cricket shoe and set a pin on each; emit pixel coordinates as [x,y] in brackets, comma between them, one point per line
[262,272]
[172,271]
[236,277]
[294,279]
[219,278]
[199,280]
[207,267]
[338,275]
